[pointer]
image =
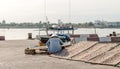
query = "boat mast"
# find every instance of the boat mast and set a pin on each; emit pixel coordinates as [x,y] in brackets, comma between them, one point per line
[46,20]
[69,11]
[70,15]
[39,28]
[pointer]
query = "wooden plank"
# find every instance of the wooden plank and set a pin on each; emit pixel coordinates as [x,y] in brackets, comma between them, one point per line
[106,55]
[76,48]
[87,52]
[80,47]
[104,47]
[113,60]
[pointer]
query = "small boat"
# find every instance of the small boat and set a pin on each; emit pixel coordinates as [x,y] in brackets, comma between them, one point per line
[61,27]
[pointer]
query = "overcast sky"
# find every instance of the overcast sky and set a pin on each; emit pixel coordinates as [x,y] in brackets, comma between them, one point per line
[81,10]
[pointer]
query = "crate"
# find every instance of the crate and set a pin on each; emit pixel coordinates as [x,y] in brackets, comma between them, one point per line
[115,39]
[2,37]
[77,35]
[92,39]
[93,35]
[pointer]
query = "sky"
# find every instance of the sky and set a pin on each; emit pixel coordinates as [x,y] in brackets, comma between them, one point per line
[81,10]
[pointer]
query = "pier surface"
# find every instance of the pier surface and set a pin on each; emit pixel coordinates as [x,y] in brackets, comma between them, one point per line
[12,57]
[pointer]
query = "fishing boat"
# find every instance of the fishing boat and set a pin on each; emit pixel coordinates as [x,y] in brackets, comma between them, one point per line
[62,27]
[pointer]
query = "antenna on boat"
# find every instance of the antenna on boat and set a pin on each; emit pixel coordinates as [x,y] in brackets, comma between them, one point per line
[69,11]
[39,28]
[95,29]
[46,19]
[70,15]
[45,9]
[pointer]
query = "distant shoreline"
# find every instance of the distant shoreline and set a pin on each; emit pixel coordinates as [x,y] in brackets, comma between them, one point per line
[41,28]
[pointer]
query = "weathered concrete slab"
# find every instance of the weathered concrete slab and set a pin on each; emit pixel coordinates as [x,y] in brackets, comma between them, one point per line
[104,47]
[113,60]
[104,56]
[12,57]
[75,49]
[102,53]
[85,53]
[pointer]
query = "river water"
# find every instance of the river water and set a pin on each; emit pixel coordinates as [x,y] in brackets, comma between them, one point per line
[19,34]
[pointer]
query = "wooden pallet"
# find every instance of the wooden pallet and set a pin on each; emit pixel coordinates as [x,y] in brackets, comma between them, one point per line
[35,50]
[40,49]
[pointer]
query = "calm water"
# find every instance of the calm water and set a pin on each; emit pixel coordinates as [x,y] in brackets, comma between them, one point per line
[17,34]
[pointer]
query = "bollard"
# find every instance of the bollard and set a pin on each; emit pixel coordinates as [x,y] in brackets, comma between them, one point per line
[2,38]
[111,35]
[114,33]
[29,35]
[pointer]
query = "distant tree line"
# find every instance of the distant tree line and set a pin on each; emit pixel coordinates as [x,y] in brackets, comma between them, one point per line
[21,25]
[42,25]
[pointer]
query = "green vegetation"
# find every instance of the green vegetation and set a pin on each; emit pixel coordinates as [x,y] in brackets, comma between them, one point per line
[76,25]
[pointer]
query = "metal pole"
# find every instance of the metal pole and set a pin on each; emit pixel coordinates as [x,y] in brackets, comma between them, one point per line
[95,29]
[45,10]
[68,31]
[45,16]
[73,31]
[39,28]
[69,11]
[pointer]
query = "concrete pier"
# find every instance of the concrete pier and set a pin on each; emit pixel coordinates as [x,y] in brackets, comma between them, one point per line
[12,57]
